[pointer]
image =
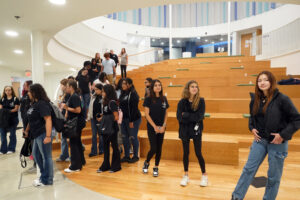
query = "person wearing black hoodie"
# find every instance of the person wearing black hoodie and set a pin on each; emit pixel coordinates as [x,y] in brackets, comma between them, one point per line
[129,101]
[273,121]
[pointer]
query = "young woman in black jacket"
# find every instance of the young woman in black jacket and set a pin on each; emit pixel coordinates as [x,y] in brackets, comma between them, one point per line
[156,113]
[190,115]
[273,121]
[10,102]
[129,101]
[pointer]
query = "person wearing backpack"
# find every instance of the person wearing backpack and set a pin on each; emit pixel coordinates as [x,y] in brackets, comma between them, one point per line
[40,127]
[74,109]
[10,102]
[110,108]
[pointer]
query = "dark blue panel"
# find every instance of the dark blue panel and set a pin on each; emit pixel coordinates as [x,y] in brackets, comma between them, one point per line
[253,8]
[273,5]
[235,11]
[114,15]
[140,16]
[165,16]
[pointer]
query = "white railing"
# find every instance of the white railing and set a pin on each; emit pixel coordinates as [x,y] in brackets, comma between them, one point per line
[281,41]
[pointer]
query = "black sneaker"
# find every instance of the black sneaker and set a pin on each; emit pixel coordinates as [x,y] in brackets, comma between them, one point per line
[134,159]
[145,167]
[125,159]
[155,171]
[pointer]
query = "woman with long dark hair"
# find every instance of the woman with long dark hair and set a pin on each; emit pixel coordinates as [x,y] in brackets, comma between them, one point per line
[10,102]
[40,127]
[124,62]
[73,109]
[95,110]
[156,113]
[190,115]
[273,121]
[110,107]
[129,101]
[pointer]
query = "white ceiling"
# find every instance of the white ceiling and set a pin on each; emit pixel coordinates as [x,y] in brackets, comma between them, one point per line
[48,18]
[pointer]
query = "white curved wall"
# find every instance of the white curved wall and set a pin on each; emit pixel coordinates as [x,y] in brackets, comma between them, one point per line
[99,34]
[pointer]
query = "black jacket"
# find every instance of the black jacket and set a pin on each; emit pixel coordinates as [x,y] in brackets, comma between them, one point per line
[281,116]
[188,118]
[115,58]
[132,103]
[25,104]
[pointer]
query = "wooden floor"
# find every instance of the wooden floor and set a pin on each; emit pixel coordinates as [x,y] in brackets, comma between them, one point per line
[130,183]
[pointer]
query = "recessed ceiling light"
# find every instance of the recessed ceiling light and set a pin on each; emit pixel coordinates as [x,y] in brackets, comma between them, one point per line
[206,40]
[153,40]
[72,69]
[11,33]
[162,43]
[221,39]
[178,41]
[18,51]
[213,42]
[47,63]
[198,38]
[58,2]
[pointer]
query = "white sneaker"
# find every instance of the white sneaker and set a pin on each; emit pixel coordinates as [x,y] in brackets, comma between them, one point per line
[67,160]
[37,183]
[184,181]
[68,170]
[204,181]
[1,153]
[10,152]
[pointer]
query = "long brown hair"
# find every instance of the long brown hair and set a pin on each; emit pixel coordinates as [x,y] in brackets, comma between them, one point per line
[259,93]
[152,93]
[186,94]
[13,94]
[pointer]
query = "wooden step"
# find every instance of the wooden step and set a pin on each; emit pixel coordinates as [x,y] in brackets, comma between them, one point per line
[215,148]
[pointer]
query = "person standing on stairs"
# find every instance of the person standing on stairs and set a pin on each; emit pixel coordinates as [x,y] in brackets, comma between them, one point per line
[156,112]
[74,109]
[190,115]
[129,101]
[273,121]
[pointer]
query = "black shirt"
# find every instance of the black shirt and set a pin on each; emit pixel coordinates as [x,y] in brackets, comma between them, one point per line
[74,102]
[157,109]
[115,58]
[10,104]
[83,82]
[94,75]
[36,114]
[97,106]
[25,104]
[260,120]
[124,104]
[113,107]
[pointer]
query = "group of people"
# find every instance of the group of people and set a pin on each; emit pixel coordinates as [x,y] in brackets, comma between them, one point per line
[273,121]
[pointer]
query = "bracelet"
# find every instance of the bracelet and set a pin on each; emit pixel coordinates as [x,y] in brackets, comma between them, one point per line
[48,136]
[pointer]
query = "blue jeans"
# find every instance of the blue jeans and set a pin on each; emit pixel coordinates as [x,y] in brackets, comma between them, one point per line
[94,139]
[276,155]
[130,134]
[86,103]
[12,137]
[64,148]
[42,154]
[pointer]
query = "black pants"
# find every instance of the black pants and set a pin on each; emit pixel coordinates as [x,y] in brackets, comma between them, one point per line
[156,141]
[186,150]
[123,70]
[116,161]
[77,156]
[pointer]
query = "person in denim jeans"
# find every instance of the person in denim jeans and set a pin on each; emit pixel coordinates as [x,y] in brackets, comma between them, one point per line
[95,111]
[273,121]
[10,102]
[40,126]
[129,101]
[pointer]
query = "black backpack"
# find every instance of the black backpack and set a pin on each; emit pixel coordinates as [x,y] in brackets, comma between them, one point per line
[58,119]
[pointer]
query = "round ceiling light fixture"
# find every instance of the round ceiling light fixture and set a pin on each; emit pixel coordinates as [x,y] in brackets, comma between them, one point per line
[11,33]
[18,51]
[58,2]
